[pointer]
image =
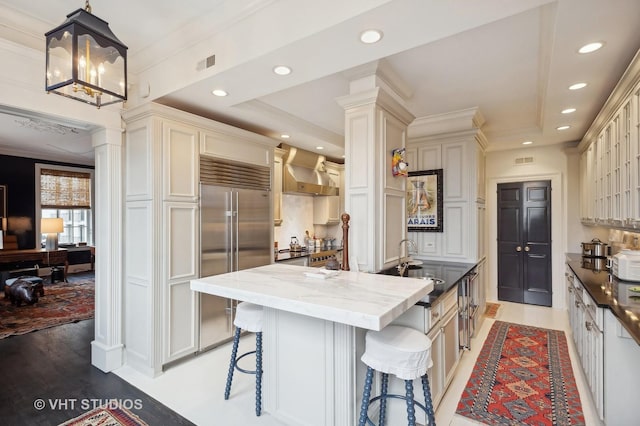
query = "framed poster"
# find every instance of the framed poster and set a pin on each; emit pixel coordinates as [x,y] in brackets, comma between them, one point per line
[424,201]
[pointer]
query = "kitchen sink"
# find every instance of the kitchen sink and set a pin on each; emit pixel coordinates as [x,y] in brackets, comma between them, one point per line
[414,271]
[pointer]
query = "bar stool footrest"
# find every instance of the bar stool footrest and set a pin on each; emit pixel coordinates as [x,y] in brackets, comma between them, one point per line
[242,369]
[395,396]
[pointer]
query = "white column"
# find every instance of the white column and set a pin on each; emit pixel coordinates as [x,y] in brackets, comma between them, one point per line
[376,122]
[107,348]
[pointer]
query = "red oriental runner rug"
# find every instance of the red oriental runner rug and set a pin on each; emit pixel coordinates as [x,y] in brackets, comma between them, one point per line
[110,415]
[522,376]
[62,303]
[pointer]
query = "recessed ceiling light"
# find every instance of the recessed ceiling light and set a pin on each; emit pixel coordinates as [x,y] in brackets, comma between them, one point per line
[370,36]
[282,70]
[563,127]
[527,143]
[568,110]
[591,47]
[219,92]
[577,86]
[285,136]
[319,148]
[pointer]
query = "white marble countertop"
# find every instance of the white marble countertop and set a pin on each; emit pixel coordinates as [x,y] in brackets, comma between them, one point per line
[360,299]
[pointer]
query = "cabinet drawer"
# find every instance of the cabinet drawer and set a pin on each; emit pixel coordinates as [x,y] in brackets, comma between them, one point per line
[435,313]
[54,257]
[441,307]
[591,307]
[450,299]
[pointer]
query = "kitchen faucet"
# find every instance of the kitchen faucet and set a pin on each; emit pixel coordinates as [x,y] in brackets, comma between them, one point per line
[402,267]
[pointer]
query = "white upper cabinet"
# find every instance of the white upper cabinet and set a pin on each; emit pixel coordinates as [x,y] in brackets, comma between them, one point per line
[609,162]
[461,156]
[180,162]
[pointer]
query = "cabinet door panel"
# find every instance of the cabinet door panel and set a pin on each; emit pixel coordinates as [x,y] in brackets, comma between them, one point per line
[436,373]
[455,172]
[180,162]
[451,344]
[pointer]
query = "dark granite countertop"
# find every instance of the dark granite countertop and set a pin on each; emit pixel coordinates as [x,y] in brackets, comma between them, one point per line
[610,293]
[450,272]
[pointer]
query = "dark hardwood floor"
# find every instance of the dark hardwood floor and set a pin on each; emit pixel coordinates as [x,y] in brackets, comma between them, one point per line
[54,365]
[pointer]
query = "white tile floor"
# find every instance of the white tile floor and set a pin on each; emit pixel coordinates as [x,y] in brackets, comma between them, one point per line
[195,388]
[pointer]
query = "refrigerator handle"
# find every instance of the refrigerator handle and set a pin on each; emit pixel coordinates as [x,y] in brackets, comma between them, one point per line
[236,230]
[229,231]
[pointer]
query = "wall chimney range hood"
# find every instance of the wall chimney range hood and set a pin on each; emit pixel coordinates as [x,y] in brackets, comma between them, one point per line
[303,172]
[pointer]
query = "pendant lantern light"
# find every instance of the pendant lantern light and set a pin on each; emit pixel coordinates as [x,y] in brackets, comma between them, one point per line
[86,61]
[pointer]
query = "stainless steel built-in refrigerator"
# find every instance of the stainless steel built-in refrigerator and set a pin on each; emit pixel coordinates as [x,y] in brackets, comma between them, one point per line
[236,229]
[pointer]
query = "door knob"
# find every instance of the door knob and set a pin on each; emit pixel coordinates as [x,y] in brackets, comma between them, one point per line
[527,248]
[518,248]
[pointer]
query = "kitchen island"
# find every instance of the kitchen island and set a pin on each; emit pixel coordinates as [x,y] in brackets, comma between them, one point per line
[314,333]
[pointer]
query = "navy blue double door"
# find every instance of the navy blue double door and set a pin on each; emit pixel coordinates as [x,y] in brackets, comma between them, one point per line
[524,242]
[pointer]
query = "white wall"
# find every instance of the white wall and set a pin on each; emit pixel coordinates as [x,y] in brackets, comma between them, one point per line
[297,217]
[550,163]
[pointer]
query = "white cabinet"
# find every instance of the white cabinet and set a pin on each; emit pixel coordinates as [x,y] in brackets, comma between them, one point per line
[607,354]
[180,243]
[610,161]
[445,348]
[161,229]
[621,373]
[436,375]
[326,210]
[586,321]
[162,151]
[461,156]
[440,323]
[451,347]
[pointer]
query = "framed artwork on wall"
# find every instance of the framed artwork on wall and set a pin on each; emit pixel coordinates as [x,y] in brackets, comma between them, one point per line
[3,200]
[424,201]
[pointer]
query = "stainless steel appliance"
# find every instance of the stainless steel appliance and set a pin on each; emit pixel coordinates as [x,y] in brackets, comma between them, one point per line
[626,265]
[235,223]
[595,255]
[467,309]
[321,258]
[594,248]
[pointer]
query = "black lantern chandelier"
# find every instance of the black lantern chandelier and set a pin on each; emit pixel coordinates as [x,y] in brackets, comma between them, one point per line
[86,61]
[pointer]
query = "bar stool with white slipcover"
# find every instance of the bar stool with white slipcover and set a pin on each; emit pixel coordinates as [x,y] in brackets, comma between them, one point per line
[405,353]
[249,318]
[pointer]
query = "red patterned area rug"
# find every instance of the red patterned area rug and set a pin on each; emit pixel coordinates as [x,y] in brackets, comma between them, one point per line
[62,303]
[523,376]
[106,416]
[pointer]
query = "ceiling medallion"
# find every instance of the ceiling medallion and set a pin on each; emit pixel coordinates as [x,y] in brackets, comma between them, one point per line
[45,126]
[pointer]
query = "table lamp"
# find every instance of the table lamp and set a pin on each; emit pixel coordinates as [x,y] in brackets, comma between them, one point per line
[3,227]
[51,227]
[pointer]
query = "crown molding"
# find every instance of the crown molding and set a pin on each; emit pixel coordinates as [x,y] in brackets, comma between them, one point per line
[380,97]
[450,122]
[620,94]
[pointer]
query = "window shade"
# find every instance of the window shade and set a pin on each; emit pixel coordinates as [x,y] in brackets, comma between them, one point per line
[65,189]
